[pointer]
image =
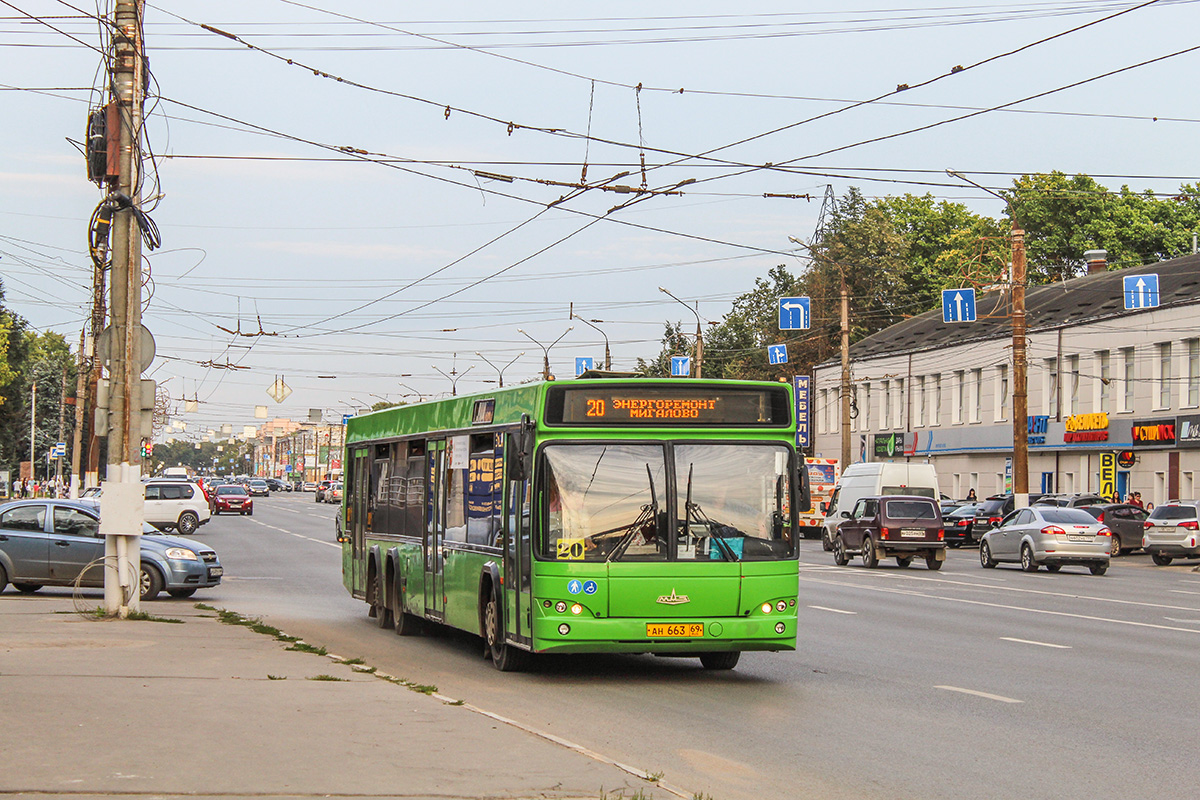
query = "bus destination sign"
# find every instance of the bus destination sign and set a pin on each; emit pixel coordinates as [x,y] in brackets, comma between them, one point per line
[711,406]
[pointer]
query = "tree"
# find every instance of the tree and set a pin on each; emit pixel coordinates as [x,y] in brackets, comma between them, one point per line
[675,343]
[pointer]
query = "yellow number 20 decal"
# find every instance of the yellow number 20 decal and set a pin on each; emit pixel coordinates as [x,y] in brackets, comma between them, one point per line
[570,549]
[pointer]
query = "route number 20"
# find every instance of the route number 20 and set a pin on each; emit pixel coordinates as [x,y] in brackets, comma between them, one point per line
[570,549]
[595,408]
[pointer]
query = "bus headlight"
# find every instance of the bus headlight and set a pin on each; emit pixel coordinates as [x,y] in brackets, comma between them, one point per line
[780,627]
[577,609]
[781,605]
[766,608]
[564,629]
[560,606]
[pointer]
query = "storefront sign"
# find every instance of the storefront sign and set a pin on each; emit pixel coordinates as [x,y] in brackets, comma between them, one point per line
[1153,433]
[1126,459]
[888,445]
[1187,431]
[1108,475]
[1087,428]
[1037,429]
[803,384]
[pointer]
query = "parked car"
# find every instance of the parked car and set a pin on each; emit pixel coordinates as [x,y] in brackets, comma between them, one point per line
[903,526]
[308,486]
[52,542]
[1172,530]
[277,485]
[233,499]
[1127,523]
[1069,500]
[334,493]
[1052,536]
[321,487]
[257,487]
[171,504]
[994,509]
[959,525]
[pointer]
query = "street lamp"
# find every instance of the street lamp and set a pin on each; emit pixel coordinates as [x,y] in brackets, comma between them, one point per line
[453,377]
[588,322]
[1020,387]
[499,369]
[699,333]
[420,395]
[545,350]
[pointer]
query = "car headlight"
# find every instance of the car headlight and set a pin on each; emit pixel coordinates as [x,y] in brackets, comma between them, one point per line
[181,554]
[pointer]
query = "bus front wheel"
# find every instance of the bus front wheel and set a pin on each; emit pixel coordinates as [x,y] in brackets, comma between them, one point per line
[727,660]
[505,657]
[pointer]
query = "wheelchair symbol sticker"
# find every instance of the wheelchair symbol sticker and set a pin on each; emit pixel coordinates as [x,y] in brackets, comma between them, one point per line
[589,587]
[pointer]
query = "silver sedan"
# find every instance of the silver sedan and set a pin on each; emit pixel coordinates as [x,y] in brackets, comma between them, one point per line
[1050,536]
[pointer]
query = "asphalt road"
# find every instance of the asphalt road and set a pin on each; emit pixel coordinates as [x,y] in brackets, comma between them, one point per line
[962,683]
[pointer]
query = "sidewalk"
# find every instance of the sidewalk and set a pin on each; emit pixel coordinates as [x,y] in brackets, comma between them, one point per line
[101,708]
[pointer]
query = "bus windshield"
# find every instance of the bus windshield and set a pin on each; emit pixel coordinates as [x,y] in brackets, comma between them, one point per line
[609,502]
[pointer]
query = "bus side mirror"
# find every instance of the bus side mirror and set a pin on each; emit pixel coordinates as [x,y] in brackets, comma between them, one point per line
[519,458]
[824,508]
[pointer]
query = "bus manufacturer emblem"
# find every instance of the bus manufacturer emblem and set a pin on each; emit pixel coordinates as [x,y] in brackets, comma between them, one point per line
[673,599]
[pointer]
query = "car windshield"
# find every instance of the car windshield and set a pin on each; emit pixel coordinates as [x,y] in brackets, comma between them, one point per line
[235,490]
[610,502]
[910,509]
[1070,516]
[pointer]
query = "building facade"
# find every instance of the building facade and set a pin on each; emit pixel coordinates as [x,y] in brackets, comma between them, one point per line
[1101,378]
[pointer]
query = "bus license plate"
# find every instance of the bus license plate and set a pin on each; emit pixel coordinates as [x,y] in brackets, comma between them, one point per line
[683,630]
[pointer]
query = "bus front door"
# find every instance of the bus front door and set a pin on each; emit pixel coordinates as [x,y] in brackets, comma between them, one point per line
[435,529]
[517,566]
[355,523]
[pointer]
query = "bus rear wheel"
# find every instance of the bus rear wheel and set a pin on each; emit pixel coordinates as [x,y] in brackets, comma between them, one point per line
[505,657]
[727,660]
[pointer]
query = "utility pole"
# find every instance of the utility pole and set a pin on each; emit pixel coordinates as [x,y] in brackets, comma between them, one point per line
[32,427]
[845,393]
[699,331]
[1020,383]
[122,512]
[62,410]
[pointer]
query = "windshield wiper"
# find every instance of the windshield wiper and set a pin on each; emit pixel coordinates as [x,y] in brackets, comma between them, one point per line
[688,506]
[647,516]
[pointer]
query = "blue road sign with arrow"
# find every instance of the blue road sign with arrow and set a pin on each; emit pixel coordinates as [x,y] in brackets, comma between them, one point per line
[794,313]
[958,305]
[681,366]
[1141,291]
[582,365]
[777,353]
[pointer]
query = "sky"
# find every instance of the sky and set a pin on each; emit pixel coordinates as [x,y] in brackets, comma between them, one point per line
[386,190]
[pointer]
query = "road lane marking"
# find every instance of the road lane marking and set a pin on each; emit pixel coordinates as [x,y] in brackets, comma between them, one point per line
[297,535]
[997,697]
[1039,644]
[289,510]
[904,576]
[1008,607]
[1177,619]
[834,610]
[1181,591]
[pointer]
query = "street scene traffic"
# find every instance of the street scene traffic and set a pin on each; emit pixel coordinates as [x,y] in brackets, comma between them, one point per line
[577,402]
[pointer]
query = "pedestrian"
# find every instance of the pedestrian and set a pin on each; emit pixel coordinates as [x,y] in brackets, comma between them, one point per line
[971,495]
[1135,499]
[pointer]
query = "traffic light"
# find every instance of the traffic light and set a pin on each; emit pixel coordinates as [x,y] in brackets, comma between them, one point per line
[147,449]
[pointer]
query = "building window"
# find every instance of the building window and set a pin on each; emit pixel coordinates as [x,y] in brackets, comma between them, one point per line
[865,409]
[1071,386]
[1104,384]
[919,403]
[1050,383]
[936,408]
[976,395]
[960,397]
[1128,370]
[1193,375]
[1001,392]
[885,406]
[901,403]
[1164,375]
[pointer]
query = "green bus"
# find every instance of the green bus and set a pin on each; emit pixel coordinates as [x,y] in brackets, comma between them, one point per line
[626,515]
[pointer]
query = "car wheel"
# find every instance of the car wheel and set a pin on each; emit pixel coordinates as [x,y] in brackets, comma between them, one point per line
[727,660]
[1053,567]
[839,551]
[1027,562]
[985,556]
[505,657]
[150,583]
[1115,550]
[1160,559]
[27,588]
[931,562]
[904,561]
[1099,569]
[188,522]
[250,513]
[826,542]
[181,593]
[3,578]
[869,556]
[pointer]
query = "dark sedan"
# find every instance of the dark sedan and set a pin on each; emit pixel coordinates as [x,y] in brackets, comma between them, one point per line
[54,542]
[959,525]
[1127,523]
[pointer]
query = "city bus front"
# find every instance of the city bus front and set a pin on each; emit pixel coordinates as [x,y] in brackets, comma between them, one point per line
[671,540]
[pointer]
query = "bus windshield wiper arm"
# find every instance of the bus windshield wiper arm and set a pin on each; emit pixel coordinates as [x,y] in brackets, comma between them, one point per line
[648,516]
[688,506]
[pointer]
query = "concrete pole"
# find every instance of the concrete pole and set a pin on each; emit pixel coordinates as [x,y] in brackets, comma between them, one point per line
[122,550]
[1020,389]
[845,393]
[32,427]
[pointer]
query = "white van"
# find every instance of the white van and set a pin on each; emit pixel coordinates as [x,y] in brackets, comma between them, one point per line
[871,478]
